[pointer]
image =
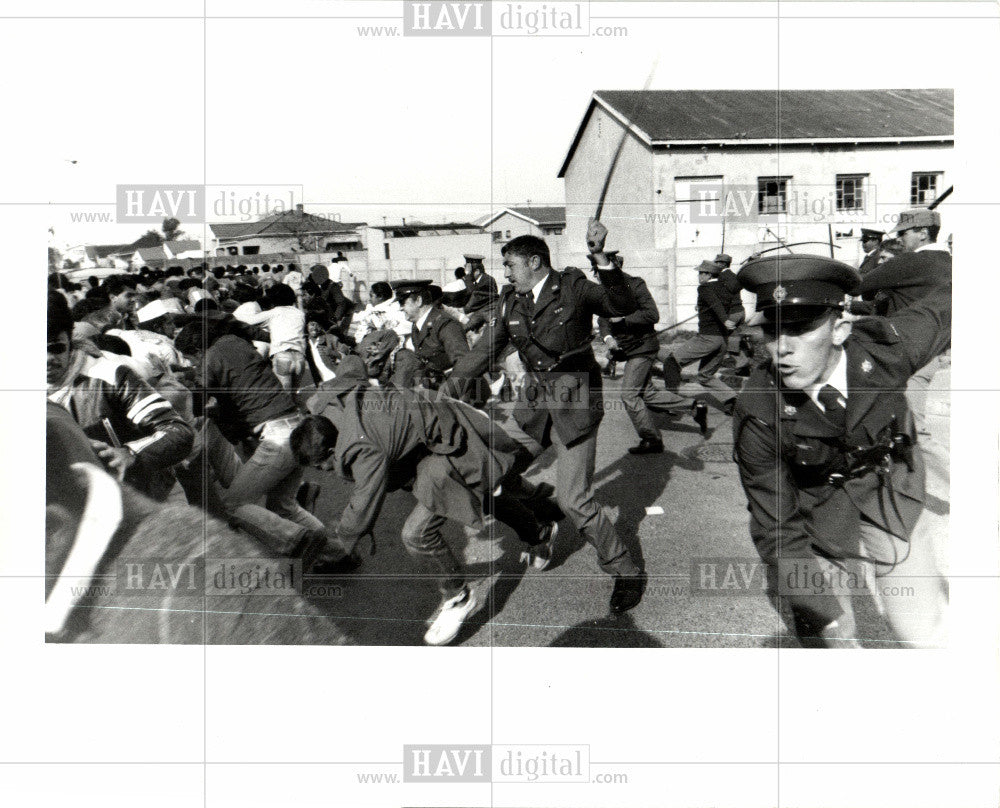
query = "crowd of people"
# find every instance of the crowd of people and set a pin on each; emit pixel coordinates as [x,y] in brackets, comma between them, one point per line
[232,381]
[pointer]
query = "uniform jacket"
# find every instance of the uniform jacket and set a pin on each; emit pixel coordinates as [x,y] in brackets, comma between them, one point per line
[903,280]
[440,342]
[713,308]
[482,292]
[785,446]
[733,298]
[635,334]
[386,436]
[142,419]
[870,262]
[553,337]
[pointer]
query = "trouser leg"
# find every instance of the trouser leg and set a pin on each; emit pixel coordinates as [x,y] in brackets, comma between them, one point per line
[422,538]
[271,473]
[912,592]
[514,513]
[575,494]
[635,381]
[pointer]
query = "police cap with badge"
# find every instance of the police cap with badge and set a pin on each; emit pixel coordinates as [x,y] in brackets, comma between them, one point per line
[797,288]
[403,289]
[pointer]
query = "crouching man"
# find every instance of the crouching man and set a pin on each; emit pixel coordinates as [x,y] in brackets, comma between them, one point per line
[385,439]
[824,442]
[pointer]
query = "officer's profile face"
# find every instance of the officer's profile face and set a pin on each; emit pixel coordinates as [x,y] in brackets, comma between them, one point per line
[411,308]
[803,353]
[521,271]
[869,243]
[913,238]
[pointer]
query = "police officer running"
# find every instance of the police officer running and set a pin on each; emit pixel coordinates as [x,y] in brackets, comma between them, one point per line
[548,315]
[824,443]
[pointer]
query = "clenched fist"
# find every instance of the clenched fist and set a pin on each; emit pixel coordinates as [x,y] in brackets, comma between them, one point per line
[596,234]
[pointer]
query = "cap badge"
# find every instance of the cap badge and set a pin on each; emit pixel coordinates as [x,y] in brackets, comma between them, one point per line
[866,366]
[779,293]
[790,409]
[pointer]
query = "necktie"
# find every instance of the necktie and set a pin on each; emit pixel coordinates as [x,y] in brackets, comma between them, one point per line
[528,302]
[829,396]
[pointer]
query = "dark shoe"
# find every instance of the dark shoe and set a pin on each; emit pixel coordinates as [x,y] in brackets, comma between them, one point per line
[699,411]
[341,566]
[647,446]
[307,496]
[729,406]
[539,556]
[627,592]
[544,504]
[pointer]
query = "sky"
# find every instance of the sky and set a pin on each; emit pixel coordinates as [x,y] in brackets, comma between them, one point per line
[370,127]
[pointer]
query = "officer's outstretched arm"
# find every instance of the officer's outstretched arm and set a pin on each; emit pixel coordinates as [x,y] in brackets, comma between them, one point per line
[924,328]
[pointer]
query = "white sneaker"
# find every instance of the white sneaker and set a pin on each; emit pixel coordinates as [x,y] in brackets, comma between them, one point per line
[539,556]
[449,621]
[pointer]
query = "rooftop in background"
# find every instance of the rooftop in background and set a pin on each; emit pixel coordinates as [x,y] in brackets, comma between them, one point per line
[539,215]
[732,117]
[422,228]
[284,223]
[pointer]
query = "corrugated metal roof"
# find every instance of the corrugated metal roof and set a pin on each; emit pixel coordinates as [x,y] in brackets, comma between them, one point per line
[286,223]
[699,116]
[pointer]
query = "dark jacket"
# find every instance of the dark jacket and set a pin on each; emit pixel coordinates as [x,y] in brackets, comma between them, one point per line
[903,280]
[438,344]
[482,293]
[635,333]
[870,262]
[553,338]
[732,296]
[387,435]
[247,390]
[140,417]
[712,309]
[786,448]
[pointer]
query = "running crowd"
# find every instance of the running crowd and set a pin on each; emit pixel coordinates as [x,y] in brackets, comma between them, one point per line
[231,381]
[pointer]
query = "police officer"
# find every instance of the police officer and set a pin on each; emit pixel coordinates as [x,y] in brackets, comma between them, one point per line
[823,439]
[548,315]
[735,313]
[482,292]
[708,346]
[633,338]
[871,243]
[436,340]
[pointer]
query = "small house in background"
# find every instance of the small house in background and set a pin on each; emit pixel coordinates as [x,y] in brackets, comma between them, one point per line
[545,221]
[290,231]
[703,169]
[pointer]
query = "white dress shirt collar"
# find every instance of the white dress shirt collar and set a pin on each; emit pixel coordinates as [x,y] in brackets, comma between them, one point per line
[838,379]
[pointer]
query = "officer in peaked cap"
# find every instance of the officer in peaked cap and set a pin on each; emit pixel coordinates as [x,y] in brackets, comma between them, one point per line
[871,241]
[436,340]
[824,443]
[723,260]
[797,287]
[483,292]
[708,346]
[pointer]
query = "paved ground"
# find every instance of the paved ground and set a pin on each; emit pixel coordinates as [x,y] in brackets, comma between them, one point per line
[682,511]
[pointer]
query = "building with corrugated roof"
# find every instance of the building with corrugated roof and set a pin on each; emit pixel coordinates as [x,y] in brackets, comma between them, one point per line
[699,170]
